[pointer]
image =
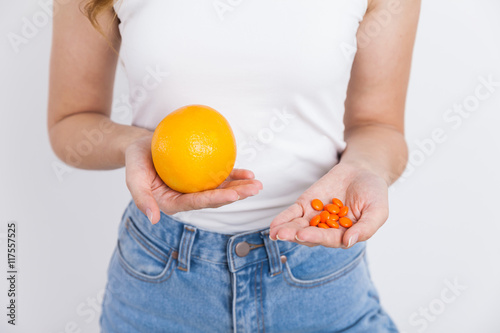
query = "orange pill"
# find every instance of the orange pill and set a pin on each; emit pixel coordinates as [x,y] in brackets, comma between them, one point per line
[332,208]
[317,204]
[323,225]
[345,222]
[324,215]
[332,224]
[333,217]
[315,220]
[343,211]
[337,202]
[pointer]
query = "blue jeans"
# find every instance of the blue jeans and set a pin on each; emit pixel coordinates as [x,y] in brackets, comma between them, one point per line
[173,277]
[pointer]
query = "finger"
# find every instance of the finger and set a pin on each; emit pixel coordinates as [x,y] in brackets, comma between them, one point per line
[241,174]
[245,188]
[299,231]
[245,191]
[292,212]
[239,190]
[287,231]
[140,189]
[372,218]
[206,199]
[319,236]
[246,182]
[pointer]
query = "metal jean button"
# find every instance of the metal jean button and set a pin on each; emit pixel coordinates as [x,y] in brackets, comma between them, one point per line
[242,249]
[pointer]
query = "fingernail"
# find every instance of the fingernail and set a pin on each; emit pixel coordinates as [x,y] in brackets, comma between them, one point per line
[297,238]
[149,214]
[278,237]
[352,240]
[271,238]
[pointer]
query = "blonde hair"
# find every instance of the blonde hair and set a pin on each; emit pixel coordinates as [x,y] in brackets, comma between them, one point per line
[93,8]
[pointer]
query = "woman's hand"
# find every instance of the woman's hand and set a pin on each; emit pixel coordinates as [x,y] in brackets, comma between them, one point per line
[364,192]
[151,195]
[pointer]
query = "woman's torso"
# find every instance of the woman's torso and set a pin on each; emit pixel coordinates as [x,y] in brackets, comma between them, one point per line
[277,70]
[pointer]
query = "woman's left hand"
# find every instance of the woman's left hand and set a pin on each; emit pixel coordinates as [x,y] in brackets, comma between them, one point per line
[364,192]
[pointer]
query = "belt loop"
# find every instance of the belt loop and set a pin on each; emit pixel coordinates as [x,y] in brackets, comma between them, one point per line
[273,253]
[185,246]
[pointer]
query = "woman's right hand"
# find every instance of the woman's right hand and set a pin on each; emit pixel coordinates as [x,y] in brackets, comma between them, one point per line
[151,194]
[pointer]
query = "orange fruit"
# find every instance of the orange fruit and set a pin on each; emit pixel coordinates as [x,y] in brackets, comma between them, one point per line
[193,149]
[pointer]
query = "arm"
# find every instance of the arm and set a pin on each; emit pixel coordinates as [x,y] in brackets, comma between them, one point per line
[375,103]
[82,71]
[376,152]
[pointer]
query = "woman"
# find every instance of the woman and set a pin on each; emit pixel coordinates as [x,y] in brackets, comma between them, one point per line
[315,93]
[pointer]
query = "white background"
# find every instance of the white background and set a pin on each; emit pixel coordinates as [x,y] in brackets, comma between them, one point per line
[444,221]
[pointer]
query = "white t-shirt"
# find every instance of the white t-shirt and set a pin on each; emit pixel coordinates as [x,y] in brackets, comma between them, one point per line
[278,71]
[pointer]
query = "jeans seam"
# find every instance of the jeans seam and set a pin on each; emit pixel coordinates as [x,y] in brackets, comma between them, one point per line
[273,257]
[256,302]
[231,257]
[182,252]
[189,247]
[226,262]
[330,278]
[261,300]
[151,235]
[145,244]
[212,262]
[161,278]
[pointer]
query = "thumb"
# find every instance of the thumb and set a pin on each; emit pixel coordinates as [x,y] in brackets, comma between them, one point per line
[372,218]
[292,212]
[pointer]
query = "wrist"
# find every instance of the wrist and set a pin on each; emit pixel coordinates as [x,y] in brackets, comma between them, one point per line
[134,134]
[364,166]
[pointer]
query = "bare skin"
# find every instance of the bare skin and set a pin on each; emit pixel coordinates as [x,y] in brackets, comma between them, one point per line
[81,84]
[376,152]
[82,74]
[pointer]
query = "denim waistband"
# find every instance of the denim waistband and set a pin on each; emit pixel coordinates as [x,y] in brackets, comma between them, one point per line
[191,242]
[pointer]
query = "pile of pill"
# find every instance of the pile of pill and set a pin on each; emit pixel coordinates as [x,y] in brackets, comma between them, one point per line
[331,216]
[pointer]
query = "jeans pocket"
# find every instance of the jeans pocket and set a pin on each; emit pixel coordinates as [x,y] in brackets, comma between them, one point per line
[314,267]
[142,256]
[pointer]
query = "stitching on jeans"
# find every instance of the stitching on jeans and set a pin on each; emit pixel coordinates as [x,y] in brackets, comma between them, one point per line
[153,236]
[186,246]
[334,276]
[182,252]
[276,256]
[261,300]
[271,255]
[231,256]
[263,259]
[256,307]
[152,280]
[140,233]
[189,246]
[212,262]
[133,230]
[142,245]
[224,263]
